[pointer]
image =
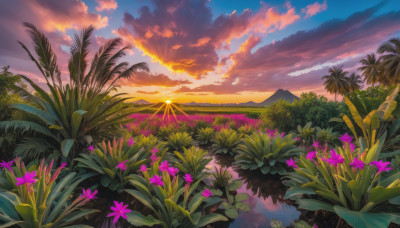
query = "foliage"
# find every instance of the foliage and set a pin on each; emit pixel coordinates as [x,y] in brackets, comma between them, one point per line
[204,135]
[227,141]
[390,62]
[246,129]
[180,140]
[234,202]
[287,116]
[222,177]
[165,131]
[193,161]
[306,133]
[326,136]
[347,184]
[81,111]
[375,123]
[45,203]
[265,153]
[103,162]
[172,204]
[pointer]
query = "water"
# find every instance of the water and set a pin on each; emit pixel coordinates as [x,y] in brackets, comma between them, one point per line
[265,197]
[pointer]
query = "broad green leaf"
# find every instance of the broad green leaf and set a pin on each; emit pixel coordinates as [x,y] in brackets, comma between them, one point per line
[138,219]
[211,218]
[314,205]
[363,219]
[66,146]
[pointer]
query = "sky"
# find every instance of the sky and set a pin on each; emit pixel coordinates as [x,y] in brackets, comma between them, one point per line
[217,51]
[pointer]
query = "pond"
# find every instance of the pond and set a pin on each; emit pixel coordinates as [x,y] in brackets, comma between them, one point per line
[265,197]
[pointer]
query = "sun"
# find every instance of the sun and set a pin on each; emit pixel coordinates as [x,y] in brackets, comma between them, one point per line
[168,101]
[169,109]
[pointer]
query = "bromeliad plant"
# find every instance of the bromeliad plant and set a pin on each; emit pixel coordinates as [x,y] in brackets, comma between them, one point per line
[115,161]
[349,182]
[327,135]
[306,133]
[227,141]
[265,153]
[38,199]
[204,135]
[179,140]
[193,161]
[173,202]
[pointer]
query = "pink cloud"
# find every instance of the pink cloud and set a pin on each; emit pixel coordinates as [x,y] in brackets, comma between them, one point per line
[106,5]
[314,8]
[147,79]
[165,34]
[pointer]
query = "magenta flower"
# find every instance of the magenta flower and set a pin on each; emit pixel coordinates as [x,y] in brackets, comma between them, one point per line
[120,210]
[382,166]
[6,165]
[89,194]
[91,148]
[346,138]
[335,158]
[357,164]
[154,150]
[352,147]
[63,165]
[297,139]
[27,179]
[122,165]
[143,168]
[164,166]
[316,144]
[188,178]
[172,171]
[153,158]
[311,155]
[156,180]
[282,134]
[130,141]
[207,193]
[291,163]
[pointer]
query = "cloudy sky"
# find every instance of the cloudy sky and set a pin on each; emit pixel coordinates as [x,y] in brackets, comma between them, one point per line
[210,50]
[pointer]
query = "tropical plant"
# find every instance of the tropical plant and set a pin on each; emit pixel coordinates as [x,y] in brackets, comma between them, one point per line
[375,123]
[193,161]
[114,161]
[221,120]
[204,135]
[42,202]
[246,129]
[165,131]
[349,183]
[222,177]
[336,81]
[354,82]
[171,202]
[227,141]
[234,200]
[326,135]
[82,111]
[178,141]
[265,153]
[306,133]
[370,69]
[390,61]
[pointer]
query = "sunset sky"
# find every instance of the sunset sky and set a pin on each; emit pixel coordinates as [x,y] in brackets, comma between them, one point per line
[216,51]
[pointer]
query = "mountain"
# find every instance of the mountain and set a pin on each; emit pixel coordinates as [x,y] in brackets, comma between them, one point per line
[142,102]
[279,94]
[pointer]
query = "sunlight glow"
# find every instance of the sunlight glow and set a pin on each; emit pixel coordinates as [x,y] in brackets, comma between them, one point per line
[168,101]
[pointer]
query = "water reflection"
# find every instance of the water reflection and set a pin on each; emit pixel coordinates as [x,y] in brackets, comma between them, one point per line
[266,197]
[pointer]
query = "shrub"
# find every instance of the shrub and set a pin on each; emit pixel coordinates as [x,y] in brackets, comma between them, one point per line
[115,161]
[44,200]
[165,131]
[326,135]
[204,135]
[265,153]
[193,161]
[172,202]
[348,183]
[246,129]
[179,140]
[221,120]
[306,133]
[234,201]
[222,177]
[226,141]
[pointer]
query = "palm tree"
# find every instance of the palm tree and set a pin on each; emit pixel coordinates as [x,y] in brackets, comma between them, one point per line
[355,82]
[390,60]
[78,113]
[336,82]
[370,69]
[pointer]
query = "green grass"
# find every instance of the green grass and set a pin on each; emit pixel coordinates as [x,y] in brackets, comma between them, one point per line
[252,112]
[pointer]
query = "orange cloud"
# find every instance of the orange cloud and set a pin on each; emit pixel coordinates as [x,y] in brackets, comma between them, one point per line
[314,8]
[106,5]
[146,79]
[148,92]
[190,46]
